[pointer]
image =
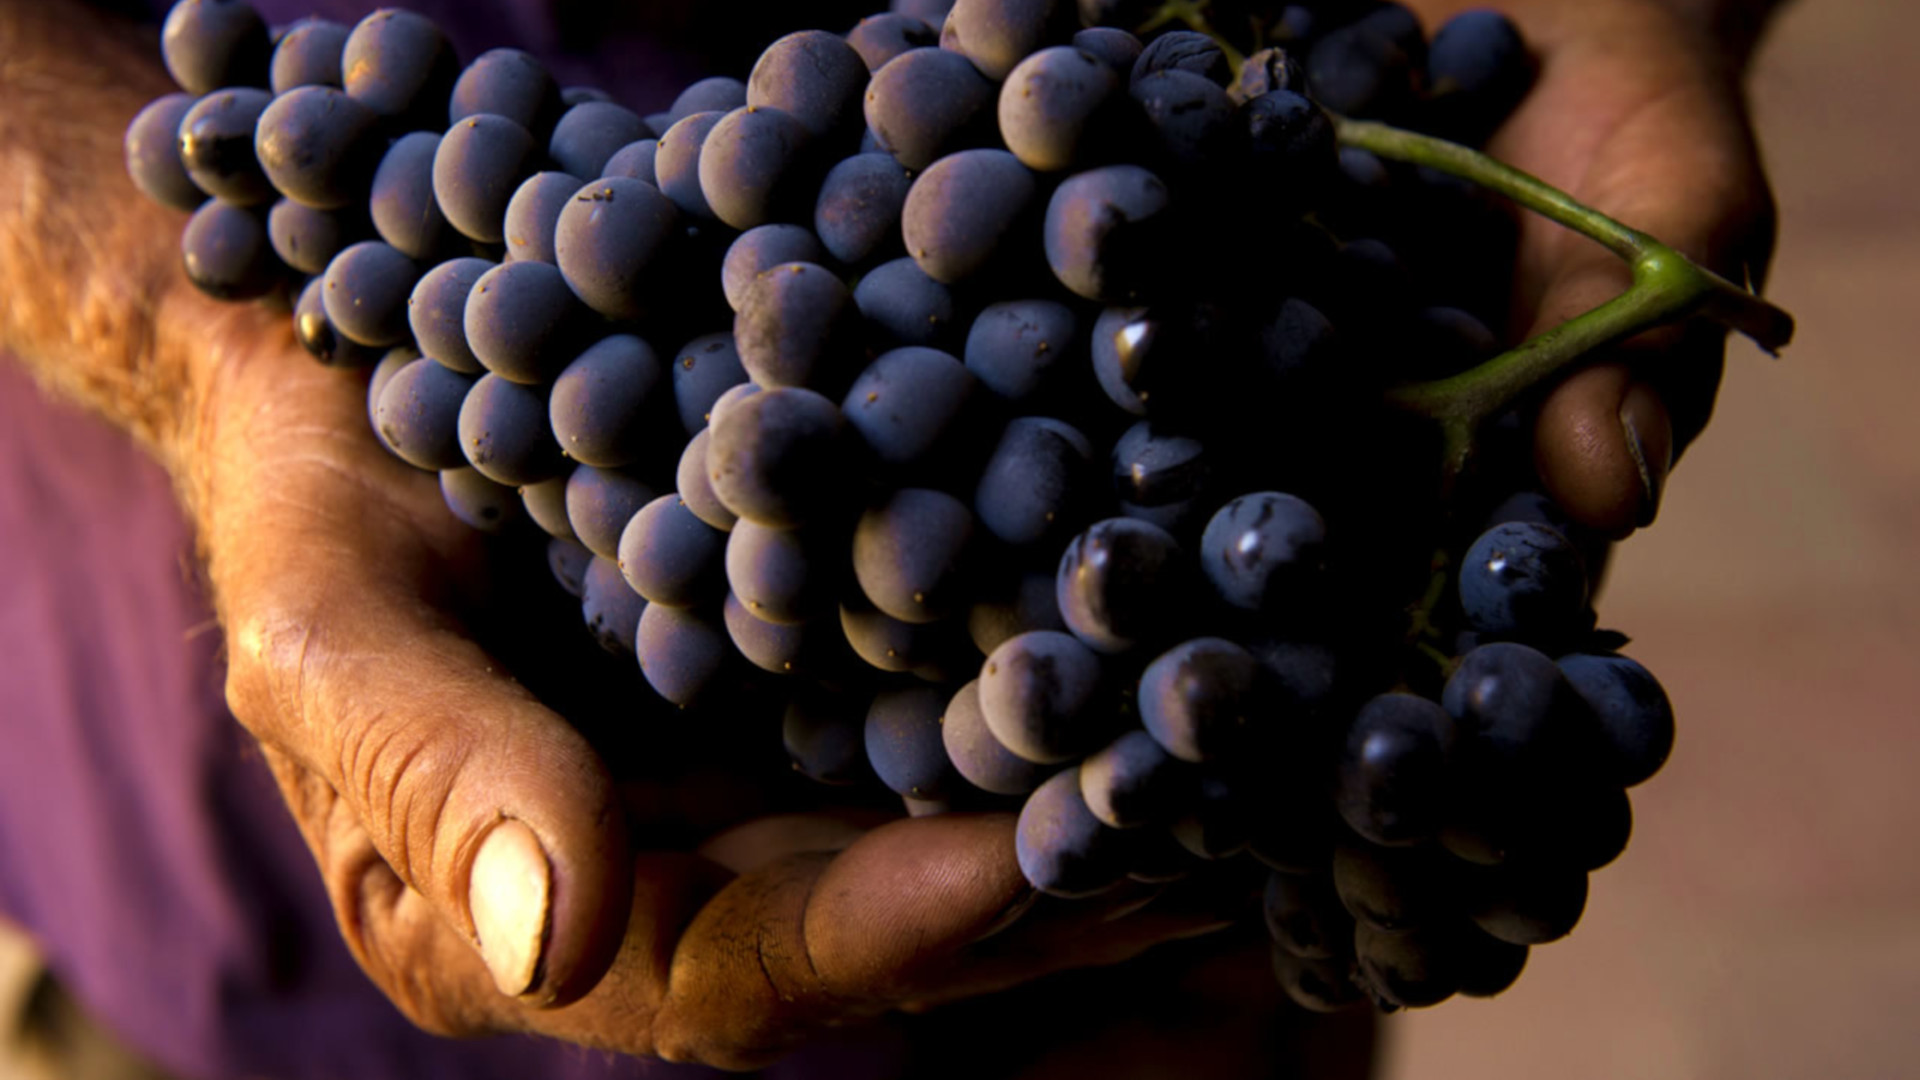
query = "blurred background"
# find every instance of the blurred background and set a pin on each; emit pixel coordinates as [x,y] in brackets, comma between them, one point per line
[1762,924]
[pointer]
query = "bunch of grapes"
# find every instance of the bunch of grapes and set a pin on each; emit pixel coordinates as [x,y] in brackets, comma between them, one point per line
[998,392]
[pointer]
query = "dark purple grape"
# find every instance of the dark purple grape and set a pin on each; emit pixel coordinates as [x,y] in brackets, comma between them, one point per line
[511,84]
[672,557]
[997,34]
[399,64]
[814,648]
[569,560]
[226,252]
[880,38]
[978,756]
[1109,233]
[636,161]
[546,504]
[1320,986]
[1039,483]
[1292,157]
[816,78]
[483,505]
[1122,583]
[1635,717]
[580,95]
[776,457]
[965,210]
[216,146]
[1183,50]
[1041,694]
[676,164]
[1490,966]
[784,576]
[793,328]
[1265,552]
[1516,712]
[912,554]
[1115,47]
[522,320]
[1206,700]
[1526,904]
[927,103]
[504,433]
[857,215]
[938,652]
[477,168]
[825,735]
[316,146]
[1062,848]
[705,368]
[308,54]
[931,12]
[1193,123]
[600,503]
[153,153]
[600,402]
[591,132]
[367,289]
[612,611]
[405,212]
[316,334]
[1478,69]
[533,215]
[753,166]
[208,44]
[1393,774]
[903,306]
[1523,580]
[907,405]
[437,312]
[1135,782]
[904,743]
[1023,350]
[1156,467]
[1408,970]
[695,484]
[1363,69]
[1304,916]
[1060,107]
[716,94]
[1394,888]
[761,249]
[1013,607]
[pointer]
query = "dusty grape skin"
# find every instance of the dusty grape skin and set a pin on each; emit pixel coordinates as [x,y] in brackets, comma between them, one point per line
[676,164]
[1134,782]
[399,64]
[978,756]
[437,312]
[591,132]
[316,146]
[1265,551]
[404,209]
[785,576]
[964,209]
[1062,848]
[1038,483]
[368,286]
[1121,584]
[1041,694]
[685,653]
[880,38]
[600,401]
[1023,349]
[479,502]
[208,44]
[508,83]
[753,166]
[815,77]
[1109,235]
[857,216]
[762,248]
[609,243]
[546,504]
[533,215]
[912,554]
[216,142]
[904,743]
[418,414]
[226,252]
[670,556]
[1057,108]
[996,34]
[927,103]
[522,321]
[504,433]
[1635,717]
[153,153]
[717,93]
[600,503]
[907,406]
[775,457]
[793,328]
[902,306]
[695,484]
[824,734]
[703,370]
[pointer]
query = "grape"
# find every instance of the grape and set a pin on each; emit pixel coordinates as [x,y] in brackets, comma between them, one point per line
[775,457]
[1523,580]
[316,335]
[784,576]
[685,654]
[511,84]
[580,95]
[1124,340]
[977,755]
[1113,46]
[997,34]
[1393,888]
[1013,608]
[600,503]
[927,103]
[676,164]
[437,312]
[308,54]
[907,407]
[1415,969]
[226,252]
[569,560]
[600,401]
[368,286]
[1134,782]
[1022,349]
[1477,71]
[793,327]
[857,215]
[477,168]
[504,433]
[1292,155]
[483,505]
[1636,719]
[825,734]
[1121,584]
[965,210]
[1320,986]
[1489,966]
[1206,700]
[1183,50]
[1155,467]
[880,38]
[1108,233]
[1526,905]
[591,132]
[1062,848]
[904,743]
[1057,108]
[613,612]
[1393,775]
[1267,71]
[1042,697]
[533,215]
[931,12]
[1304,916]
[316,146]
[1451,341]
[208,44]
[1038,483]
[419,416]
[1265,552]
[400,65]
[706,367]
[814,77]
[695,484]
[1193,122]
[937,652]
[672,557]
[911,554]
[1515,710]
[717,94]
[521,321]
[405,212]
[153,153]
[216,146]
[1362,69]
[761,249]
[1302,354]
[546,504]
[810,648]
[753,166]
[636,161]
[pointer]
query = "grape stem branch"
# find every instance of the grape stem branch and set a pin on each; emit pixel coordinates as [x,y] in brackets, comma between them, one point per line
[1667,287]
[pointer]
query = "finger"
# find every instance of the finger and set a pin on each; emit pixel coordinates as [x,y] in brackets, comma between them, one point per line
[487,804]
[1603,445]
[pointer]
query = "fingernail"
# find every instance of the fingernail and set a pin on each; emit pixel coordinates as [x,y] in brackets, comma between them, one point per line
[510,895]
[1650,440]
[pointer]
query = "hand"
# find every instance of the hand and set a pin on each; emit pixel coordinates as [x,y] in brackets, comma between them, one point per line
[1637,112]
[472,842]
